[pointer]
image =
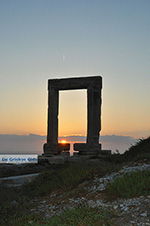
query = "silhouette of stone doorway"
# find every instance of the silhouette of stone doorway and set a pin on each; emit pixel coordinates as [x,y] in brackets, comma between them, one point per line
[93,85]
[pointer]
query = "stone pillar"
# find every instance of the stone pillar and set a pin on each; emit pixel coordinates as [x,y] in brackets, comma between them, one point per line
[94,114]
[52,147]
[92,145]
[53,103]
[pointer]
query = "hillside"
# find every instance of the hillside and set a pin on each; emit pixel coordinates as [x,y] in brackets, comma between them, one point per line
[113,191]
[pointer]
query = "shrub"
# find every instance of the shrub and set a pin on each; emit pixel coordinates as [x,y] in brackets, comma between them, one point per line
[138,151]
[130,185]
[141,148]
[83,216]
[65,179]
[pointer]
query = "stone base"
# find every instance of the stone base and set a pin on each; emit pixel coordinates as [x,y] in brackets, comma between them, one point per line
[87,149]
[105,152]
[65,153]
[57,159]
[64,157]
[55,149]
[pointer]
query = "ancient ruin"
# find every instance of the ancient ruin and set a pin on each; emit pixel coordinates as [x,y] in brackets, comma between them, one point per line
[93,86]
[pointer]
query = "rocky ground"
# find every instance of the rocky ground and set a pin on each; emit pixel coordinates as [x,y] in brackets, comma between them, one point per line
[135,211]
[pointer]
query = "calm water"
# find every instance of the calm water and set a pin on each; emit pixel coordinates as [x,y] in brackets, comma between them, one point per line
[34,144]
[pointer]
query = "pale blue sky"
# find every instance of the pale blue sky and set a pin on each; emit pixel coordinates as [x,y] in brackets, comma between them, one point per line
[41,39]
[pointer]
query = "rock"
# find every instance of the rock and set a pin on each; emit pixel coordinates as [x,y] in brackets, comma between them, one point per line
[143,214]
[132,222]
[115,207]
[14,203]
[125,209]
[129,212]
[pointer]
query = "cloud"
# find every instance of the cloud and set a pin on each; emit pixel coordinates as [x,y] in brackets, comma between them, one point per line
[15,144]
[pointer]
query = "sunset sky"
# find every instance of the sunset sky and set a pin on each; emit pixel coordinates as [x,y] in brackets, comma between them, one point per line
[40,40]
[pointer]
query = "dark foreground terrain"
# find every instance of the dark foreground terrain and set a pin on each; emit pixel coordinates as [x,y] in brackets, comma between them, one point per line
[114,191]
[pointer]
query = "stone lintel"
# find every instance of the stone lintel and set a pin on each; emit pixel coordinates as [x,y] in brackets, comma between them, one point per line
[75,83]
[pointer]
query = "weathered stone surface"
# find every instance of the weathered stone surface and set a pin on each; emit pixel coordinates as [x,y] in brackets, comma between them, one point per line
[75,83]
[87,148]
[105,152]
[57,159]
[93,86]
[55,149]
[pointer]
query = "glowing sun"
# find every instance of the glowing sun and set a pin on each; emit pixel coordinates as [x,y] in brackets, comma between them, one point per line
[63,141]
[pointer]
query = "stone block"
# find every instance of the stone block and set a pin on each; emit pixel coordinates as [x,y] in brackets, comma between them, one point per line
[87,149]
[105,152]
[57,159]
[55,149]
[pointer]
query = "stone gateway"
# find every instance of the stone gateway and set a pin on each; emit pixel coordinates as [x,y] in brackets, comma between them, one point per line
[93,85]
